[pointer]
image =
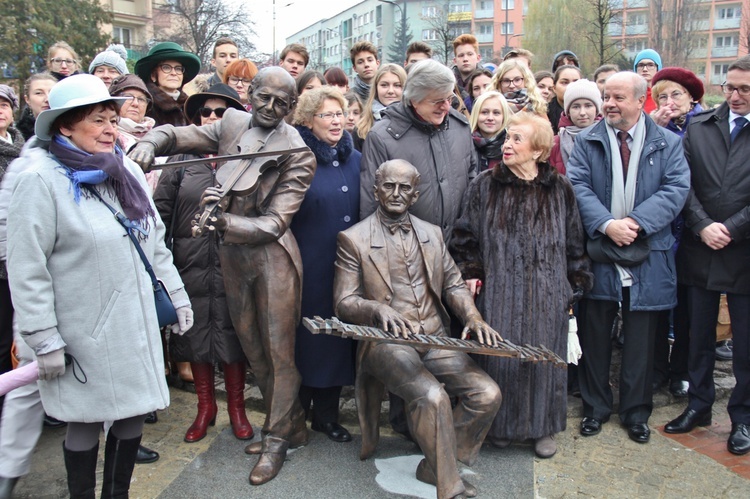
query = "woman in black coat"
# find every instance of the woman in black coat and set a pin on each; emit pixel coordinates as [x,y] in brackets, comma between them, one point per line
[331,205]
[212,338]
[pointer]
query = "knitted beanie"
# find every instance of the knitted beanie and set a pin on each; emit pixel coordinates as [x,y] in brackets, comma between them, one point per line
[112,57]
[647,54]
[583,89]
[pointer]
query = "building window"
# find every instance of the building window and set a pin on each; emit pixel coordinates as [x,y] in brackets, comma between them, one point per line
[461,7]
[429,34]
[121,35]
[727,41]
[486,53]
[430,11]
[637,19]
[485,29]
[486,5]
[730,13]
[721,69]
[506,28]
[509,4]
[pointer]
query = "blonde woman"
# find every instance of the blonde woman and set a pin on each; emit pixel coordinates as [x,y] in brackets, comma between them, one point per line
[517,84]
[62,60]
[489,118]
[387,87]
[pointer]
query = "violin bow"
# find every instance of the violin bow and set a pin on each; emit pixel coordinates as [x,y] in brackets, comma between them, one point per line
[228,157]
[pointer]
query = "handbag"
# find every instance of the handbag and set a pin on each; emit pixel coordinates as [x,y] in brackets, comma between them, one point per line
[165,310]
[605,250]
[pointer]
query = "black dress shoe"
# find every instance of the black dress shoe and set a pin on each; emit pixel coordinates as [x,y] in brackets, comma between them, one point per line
[639,432]
[334,431]
[51,422]
[724,351]
[146,455]
[151,418]
[739,439]
[591,426]
[679,388]
[688,420]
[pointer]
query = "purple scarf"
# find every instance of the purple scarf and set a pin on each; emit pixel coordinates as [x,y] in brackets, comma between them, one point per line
[84,168]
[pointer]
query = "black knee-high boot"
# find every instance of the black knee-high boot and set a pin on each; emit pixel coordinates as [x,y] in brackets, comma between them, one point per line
[81,468]
[119,461]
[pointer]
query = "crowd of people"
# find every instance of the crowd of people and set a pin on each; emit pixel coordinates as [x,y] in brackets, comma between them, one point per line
[418,198]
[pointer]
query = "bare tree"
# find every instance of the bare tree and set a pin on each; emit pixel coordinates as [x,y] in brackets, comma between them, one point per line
[597,19]
[442,43]
[745,28]
[675,27]
[197,24]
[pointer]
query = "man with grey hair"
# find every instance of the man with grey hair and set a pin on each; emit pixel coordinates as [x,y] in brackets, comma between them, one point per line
[424,130]
[631,180]
[393,271]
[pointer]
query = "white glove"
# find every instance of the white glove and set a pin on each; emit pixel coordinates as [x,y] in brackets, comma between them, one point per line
[51,365]
[574,346]
[184,321]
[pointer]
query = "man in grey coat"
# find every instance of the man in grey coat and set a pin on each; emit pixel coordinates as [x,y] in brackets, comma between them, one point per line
[424,130]
[631,181]
[713,254]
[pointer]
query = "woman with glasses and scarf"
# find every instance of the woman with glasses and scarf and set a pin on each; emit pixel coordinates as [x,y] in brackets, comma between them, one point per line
[517,84]
[82,296]
[331,205]
[62,61]
[165,69]
[213,338]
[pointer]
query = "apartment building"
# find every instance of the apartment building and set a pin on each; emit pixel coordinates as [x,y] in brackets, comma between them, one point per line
[133,24]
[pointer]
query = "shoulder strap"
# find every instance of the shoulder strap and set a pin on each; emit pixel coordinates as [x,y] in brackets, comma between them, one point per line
[129,228]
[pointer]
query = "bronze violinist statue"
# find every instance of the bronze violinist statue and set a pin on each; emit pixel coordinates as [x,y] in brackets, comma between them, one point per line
[394,271]
[259,256]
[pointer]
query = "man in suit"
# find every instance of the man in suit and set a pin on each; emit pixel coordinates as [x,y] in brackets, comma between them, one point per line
[713,254]
[259,256]
[631,180]
[394,271]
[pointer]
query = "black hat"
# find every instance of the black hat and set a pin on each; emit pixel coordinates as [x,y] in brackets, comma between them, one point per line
[218,91]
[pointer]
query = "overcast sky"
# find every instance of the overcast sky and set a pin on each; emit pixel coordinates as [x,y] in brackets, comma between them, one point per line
[291,17]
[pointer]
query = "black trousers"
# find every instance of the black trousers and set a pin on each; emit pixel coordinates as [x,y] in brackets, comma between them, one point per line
[673,366]
[325,403]
[704,311]
[636,373]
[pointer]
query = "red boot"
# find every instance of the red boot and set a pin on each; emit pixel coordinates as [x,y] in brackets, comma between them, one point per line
[204,388]
[234,380]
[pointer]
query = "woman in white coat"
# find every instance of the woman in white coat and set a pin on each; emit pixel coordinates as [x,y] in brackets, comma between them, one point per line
[83,297]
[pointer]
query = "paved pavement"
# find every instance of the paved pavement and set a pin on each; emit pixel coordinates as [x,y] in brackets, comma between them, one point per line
[607,465]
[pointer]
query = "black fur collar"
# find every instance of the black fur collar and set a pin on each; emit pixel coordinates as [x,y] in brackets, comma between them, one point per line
[324,153]
[546,175]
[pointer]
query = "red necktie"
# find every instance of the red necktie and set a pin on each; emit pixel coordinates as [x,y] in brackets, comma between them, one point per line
[624,154]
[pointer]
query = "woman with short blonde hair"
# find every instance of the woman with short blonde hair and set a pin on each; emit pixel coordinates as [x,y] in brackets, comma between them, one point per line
[517,84]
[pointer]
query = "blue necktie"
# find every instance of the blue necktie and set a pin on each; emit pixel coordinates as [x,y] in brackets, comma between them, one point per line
[739,124]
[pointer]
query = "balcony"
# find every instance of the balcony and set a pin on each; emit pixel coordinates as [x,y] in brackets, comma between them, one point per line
[724,51]
[697,25]
[484,37]
[726,23]
[699,53]
[638,29]
[484,14]
[455,17]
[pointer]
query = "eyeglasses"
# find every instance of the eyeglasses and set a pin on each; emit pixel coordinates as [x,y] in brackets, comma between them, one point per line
[329,116]
[139,100]
[440,102]
[59,62]
[645,65]
[744,90]
[206,111]
[505,82]
[674,95]
[233,80]
[167,68]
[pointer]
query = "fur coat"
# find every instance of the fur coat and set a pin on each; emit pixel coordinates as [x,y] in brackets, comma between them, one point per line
[164,109]
[525,241]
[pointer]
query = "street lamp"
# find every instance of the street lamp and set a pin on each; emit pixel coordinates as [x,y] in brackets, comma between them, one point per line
[402,42]
[507,47]
[273,56]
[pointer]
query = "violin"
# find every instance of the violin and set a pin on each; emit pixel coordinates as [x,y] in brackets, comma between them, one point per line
[259,150]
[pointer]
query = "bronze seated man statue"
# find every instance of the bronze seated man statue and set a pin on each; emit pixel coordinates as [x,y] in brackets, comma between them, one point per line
[259,256]
[394,271]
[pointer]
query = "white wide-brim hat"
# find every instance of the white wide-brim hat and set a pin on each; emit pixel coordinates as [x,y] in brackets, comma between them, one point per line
[74,91]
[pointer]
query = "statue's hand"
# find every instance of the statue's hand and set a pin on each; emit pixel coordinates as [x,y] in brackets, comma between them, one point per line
[393,322]
[482,331]
[143,154]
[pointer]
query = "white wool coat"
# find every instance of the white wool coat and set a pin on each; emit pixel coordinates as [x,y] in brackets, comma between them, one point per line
[78,283]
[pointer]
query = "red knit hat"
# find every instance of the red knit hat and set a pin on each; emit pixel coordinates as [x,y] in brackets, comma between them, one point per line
[684,77]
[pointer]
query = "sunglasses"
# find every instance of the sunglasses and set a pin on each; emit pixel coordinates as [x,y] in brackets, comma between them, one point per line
[206,111]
